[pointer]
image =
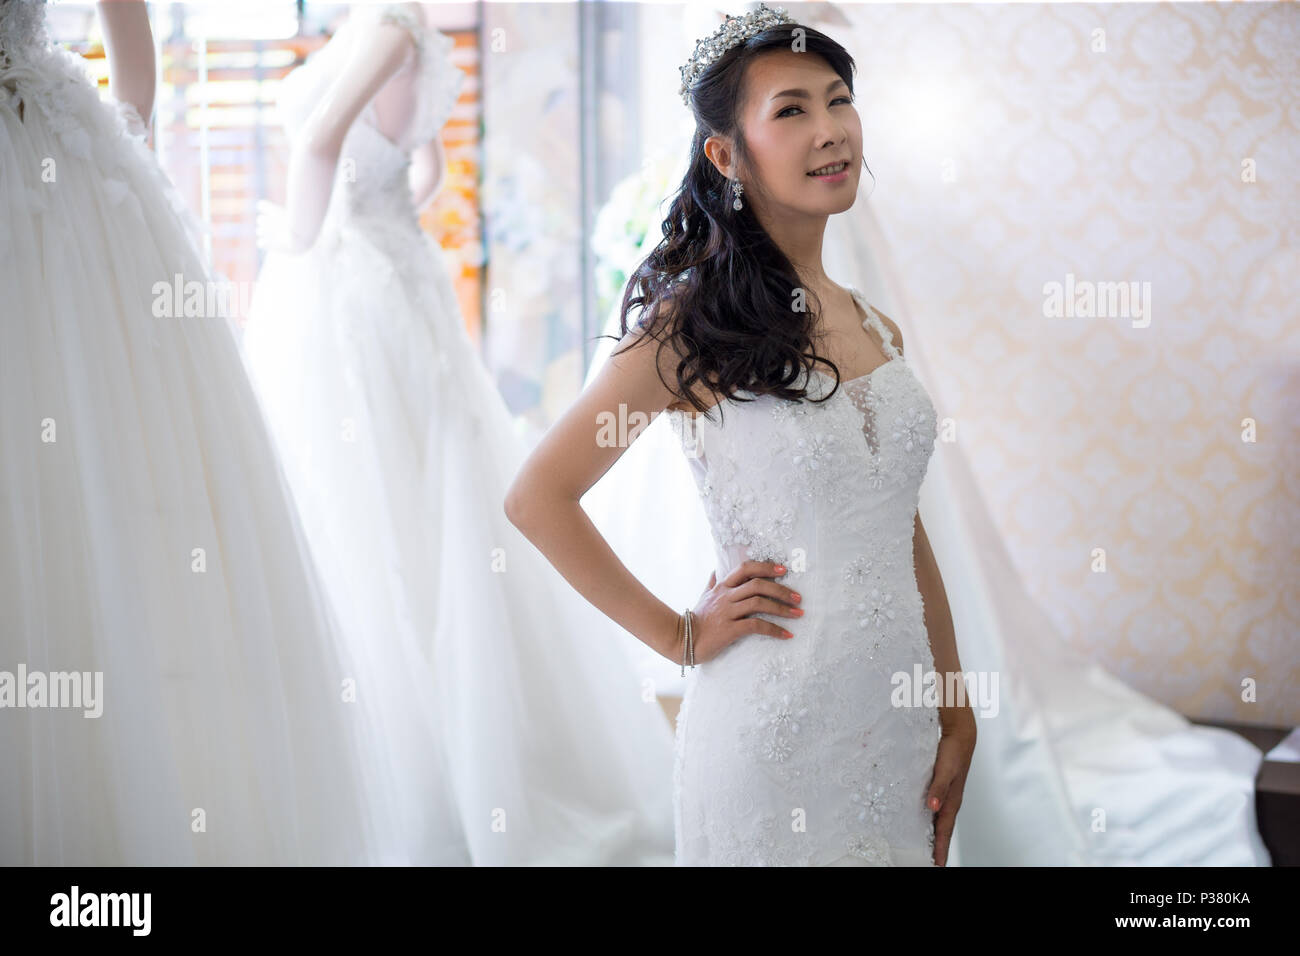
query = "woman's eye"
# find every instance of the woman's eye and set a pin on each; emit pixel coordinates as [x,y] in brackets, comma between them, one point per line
[846,99]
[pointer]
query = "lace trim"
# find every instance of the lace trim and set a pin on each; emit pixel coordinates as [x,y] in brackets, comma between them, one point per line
[448,80]
[886,336]
[22,28]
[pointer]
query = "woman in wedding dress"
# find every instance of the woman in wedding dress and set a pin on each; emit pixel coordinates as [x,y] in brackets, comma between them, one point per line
[795,745]
[172,686]
[1067,737]
[399,448]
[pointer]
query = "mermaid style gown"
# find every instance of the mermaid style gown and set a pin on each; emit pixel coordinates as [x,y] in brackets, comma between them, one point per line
[792,752]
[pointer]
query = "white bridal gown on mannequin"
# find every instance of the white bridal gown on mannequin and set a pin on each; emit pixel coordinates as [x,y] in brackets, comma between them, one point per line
[146,535]
[400,450]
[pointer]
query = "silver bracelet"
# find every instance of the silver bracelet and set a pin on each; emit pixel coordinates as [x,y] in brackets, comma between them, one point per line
[681,629]
[688,642]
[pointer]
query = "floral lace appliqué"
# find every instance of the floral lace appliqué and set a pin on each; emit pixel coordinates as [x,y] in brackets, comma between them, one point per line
[797,751]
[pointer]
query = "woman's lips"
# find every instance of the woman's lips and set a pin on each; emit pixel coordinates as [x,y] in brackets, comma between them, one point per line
[839,177]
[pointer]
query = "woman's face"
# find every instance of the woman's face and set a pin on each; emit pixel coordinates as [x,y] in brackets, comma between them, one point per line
[798,116]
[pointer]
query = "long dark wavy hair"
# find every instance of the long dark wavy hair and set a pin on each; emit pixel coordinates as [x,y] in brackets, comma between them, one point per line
[732,323]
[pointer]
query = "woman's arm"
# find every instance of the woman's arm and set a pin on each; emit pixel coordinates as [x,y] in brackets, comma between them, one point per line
[544,499]
[128,44]
[377,53]
[428,168]
[956,719]
[544,502]
[938,621]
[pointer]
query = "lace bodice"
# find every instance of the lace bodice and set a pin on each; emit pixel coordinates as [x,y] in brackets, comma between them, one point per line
[22,27]
[36,74]
[831,491]
[867,447]
[372,180]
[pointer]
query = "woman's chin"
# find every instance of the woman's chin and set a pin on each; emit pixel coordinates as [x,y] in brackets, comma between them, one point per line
[832,198]
[829,206]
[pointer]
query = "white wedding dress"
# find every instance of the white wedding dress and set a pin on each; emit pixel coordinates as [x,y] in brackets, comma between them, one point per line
[146,534]
[399,450]
[790,751]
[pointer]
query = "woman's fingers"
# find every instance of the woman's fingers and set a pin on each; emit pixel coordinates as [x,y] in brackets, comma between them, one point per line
[761,604]
[756,625]
[728,615]
[944,794]
[770,588]
[944,822]
[750,569]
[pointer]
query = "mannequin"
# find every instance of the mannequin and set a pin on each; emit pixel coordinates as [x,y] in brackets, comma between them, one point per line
[128,46]
[379,70]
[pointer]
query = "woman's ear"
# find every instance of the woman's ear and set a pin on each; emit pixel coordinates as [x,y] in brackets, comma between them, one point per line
[718,150]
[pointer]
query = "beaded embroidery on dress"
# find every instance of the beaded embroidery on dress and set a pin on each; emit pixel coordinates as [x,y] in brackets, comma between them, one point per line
[790,752]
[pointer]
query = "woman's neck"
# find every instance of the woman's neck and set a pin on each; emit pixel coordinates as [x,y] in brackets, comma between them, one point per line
[802,245]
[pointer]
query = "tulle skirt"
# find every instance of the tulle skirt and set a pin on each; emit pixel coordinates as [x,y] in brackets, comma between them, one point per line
[400,450]
[147,543]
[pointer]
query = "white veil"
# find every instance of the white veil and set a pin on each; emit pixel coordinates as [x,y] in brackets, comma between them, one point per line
[1077,768]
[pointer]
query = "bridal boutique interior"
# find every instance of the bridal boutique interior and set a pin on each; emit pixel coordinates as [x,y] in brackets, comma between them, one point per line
[1112,500]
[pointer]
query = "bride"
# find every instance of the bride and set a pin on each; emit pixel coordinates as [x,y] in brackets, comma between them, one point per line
[399,449]
[1069,736]
[150,561]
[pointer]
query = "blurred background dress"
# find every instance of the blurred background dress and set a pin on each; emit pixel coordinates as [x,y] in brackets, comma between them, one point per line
[400,449]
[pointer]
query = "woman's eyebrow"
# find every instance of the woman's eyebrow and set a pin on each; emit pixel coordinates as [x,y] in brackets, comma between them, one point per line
[804,94]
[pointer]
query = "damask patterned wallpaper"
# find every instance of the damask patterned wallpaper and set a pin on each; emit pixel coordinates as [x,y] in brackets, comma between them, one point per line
[1141,454]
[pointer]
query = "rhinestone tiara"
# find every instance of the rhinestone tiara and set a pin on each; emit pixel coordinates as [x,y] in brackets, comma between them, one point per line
[733,31]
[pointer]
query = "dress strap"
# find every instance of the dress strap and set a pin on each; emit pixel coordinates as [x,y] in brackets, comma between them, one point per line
[873,319]
[404,16]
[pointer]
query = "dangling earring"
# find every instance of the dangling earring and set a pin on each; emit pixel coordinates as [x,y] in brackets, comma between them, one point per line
[736,188]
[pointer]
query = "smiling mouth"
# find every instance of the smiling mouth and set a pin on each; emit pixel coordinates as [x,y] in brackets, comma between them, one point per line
[830,170]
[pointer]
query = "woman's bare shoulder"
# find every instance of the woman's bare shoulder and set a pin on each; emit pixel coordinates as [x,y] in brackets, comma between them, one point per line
[661,353]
